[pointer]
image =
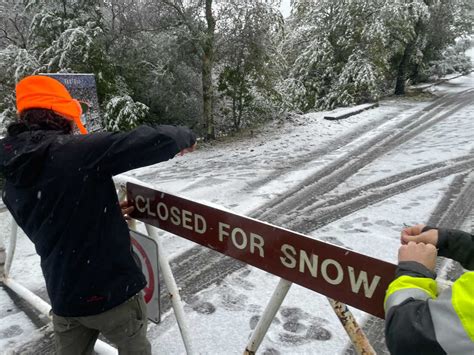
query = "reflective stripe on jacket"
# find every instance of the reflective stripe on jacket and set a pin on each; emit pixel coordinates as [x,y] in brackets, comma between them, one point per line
[451,313]
[421,321]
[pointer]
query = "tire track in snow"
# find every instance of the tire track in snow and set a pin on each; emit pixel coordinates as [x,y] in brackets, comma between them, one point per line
[335,145]
[328,148]
[346,204]
[328,178]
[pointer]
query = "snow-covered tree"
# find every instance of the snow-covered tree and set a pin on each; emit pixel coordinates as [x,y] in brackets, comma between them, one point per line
[14,24]
[335,51]
[196,22]
[453,60]
[216,65]
[247,58]
[122,113]
[15,64]
[343,52]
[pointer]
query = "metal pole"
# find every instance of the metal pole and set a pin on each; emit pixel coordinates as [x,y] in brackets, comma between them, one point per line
[355,332]
[11,247]
[172,289]
[25,294]
[44,308]
[2,260]
[2,257]
[268,315]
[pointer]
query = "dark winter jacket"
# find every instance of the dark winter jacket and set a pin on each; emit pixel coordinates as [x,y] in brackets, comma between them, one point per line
[60,191]
[421,321]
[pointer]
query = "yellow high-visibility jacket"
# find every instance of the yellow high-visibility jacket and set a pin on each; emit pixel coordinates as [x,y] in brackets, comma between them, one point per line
[421,321]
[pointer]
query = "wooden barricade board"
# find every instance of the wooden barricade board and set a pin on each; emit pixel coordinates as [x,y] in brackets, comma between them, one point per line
[344,275]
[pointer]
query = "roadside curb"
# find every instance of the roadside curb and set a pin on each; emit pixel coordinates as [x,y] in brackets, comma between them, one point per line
[351,113]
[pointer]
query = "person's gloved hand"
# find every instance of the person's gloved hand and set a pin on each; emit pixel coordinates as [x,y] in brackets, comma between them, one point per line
[422,253]
[414,234]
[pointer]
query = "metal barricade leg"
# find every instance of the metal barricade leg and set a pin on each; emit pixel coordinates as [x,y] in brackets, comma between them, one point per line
[11,247]
[270,311]
[355,332]
[173,290]
[3,257]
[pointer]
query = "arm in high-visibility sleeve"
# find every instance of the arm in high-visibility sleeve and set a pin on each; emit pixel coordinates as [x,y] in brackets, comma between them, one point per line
[408,325]
[418,321]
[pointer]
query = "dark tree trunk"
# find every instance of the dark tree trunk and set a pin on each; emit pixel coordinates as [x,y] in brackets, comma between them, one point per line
[402,70]
[207,65]
[234,112]
[241,100]
[404,64]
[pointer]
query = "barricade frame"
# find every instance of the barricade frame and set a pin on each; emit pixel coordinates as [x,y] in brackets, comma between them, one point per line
[354,331]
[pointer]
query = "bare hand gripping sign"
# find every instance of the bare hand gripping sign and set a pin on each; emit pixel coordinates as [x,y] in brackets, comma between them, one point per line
[339,273]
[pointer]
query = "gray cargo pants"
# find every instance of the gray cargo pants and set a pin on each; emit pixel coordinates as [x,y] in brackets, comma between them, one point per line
[124,326]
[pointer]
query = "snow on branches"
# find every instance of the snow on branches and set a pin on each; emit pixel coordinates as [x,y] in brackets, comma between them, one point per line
[122,113]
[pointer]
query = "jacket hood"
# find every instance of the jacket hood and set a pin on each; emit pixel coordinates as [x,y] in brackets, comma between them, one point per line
[22,156]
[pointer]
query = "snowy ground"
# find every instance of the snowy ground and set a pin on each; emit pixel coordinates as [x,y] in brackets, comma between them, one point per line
[246,173]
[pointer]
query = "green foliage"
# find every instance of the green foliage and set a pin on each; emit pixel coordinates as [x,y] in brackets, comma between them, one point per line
[123,114]
[452,60]
[341,48]
[249,61]
[348,52]
[160,61]
[15,63]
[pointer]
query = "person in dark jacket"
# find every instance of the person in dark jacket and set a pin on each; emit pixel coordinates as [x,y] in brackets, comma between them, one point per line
[418,319]
[60,191]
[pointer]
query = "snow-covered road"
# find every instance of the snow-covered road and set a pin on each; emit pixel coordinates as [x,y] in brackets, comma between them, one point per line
[353,182]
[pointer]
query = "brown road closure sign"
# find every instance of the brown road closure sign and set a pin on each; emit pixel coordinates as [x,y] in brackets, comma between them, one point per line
[344,275]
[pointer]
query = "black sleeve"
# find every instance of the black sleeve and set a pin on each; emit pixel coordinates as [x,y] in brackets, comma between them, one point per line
[413,269]
[115,153]
[456,245]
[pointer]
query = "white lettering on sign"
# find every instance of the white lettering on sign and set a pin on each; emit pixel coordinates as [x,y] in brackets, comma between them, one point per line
[200,225]
[256,241]
[186,219]
[362,279]
[146,207]
[239,232]
[331,270]
[289,260]
[240,239]
[223,233]
[307,263]
[324,271]
[175,216]
[312,264]
[162,210]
